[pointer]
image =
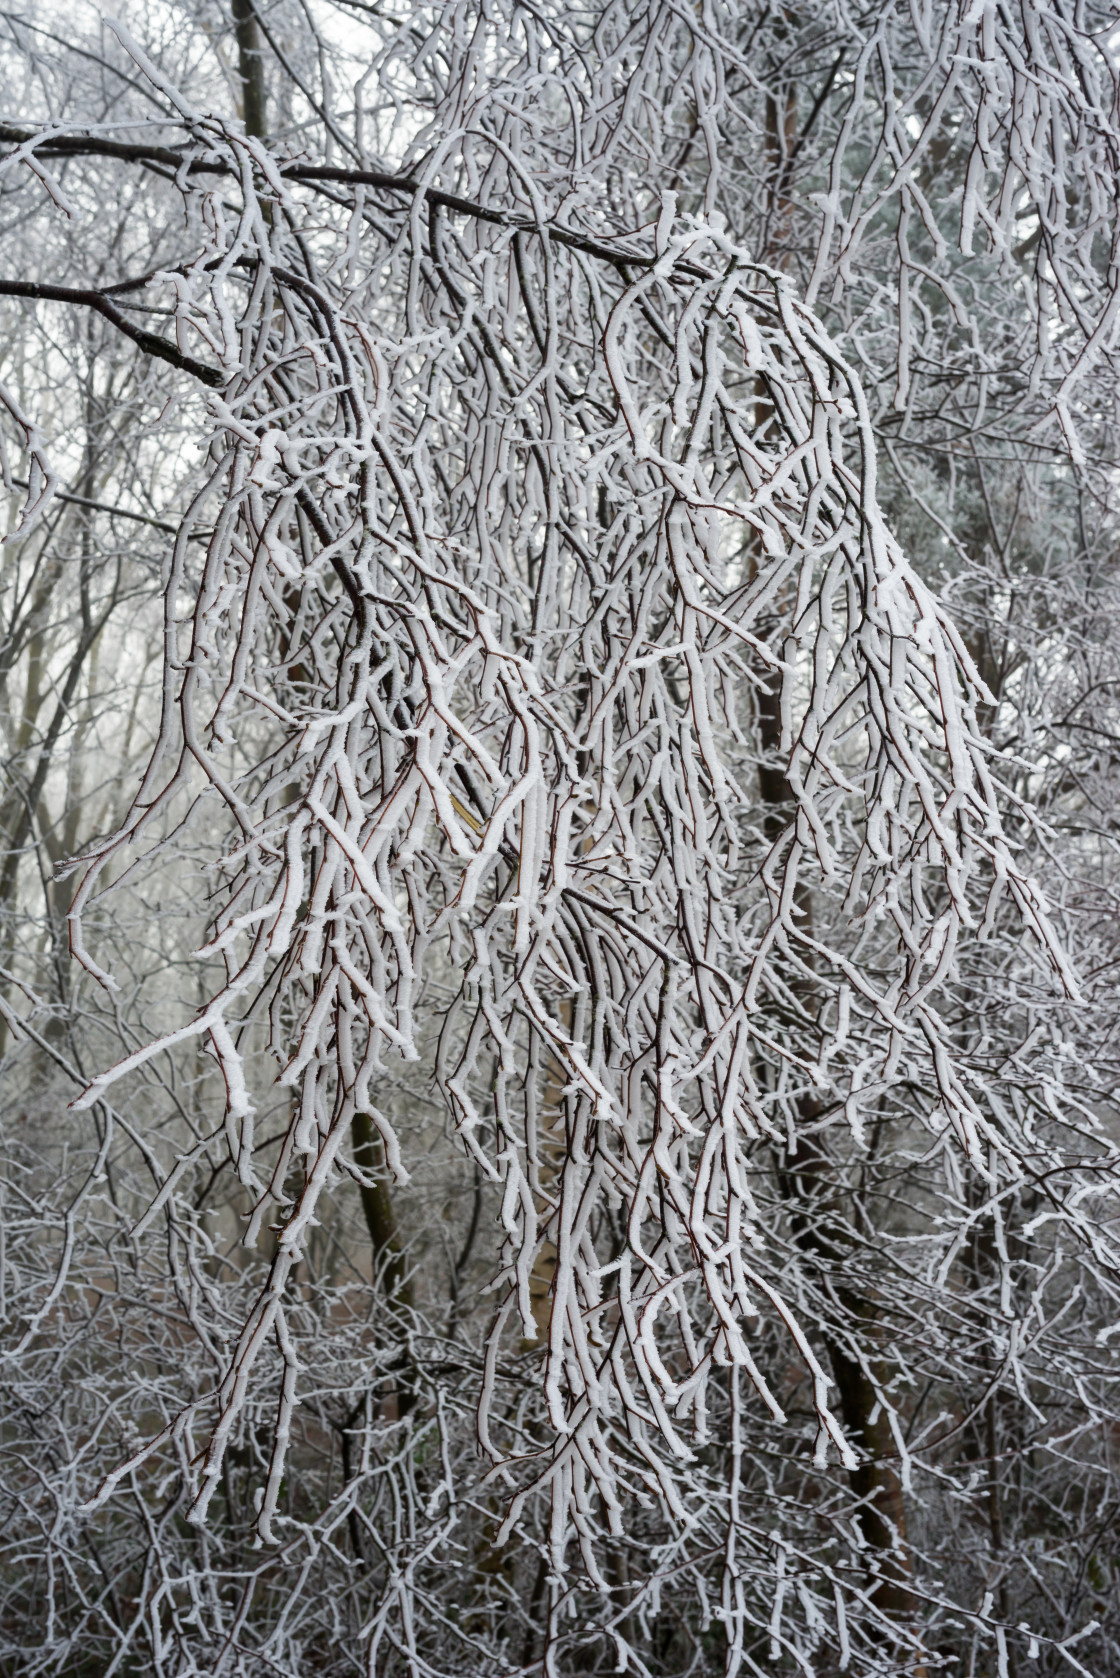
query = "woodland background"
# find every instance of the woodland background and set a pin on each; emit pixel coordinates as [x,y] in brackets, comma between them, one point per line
[558,838]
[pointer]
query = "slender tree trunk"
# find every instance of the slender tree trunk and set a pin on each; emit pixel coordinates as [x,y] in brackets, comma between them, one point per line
[380,1215]
[390,1262]
[250,64]
[876,1481]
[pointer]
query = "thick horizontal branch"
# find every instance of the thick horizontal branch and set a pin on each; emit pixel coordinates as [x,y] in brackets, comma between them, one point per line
[150,342]
[310,173]
[167,157]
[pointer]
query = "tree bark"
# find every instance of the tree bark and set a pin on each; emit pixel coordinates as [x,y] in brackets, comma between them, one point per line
[250,64]
[390,1262]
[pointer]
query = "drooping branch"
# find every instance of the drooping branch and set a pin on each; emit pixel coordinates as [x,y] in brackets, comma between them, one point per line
[307,174]
[150,342]
[568,737]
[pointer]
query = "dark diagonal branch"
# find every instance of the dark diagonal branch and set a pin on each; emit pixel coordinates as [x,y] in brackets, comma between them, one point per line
[149,342]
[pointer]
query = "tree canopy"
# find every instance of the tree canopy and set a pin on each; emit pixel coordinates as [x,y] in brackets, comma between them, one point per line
[558,928]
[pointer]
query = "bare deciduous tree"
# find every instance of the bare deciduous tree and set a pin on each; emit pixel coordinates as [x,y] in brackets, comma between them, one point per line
[591,1138]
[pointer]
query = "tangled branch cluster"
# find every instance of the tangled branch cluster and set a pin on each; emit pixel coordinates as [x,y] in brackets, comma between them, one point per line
[561,714]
